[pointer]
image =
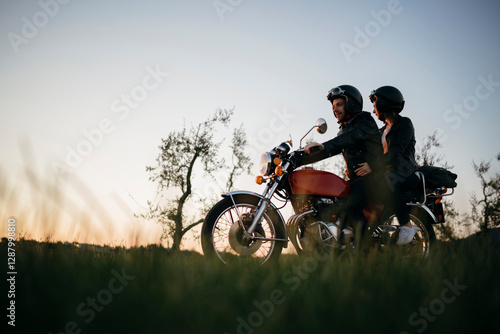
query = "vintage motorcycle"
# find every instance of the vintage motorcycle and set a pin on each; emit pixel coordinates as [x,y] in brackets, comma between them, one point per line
[246,224]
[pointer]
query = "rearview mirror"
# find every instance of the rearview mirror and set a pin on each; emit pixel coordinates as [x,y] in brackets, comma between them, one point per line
[321,126]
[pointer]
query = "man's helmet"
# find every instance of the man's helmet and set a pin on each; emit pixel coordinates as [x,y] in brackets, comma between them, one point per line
[388,98]
[352,96]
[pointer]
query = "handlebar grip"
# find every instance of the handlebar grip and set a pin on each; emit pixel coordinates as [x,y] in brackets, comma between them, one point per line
[316,149]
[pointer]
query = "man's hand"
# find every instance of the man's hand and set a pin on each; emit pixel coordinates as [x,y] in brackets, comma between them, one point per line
[313,148]
[363,170]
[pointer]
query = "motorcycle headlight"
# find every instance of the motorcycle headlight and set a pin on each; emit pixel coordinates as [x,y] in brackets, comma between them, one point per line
[266,163]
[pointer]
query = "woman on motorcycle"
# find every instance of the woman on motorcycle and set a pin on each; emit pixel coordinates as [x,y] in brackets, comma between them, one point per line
[398,141]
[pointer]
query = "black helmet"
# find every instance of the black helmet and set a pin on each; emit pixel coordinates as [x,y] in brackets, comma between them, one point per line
[354,99]
[388,98]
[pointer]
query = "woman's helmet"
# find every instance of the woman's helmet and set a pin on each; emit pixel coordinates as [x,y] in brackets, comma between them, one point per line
[352,96]
[388,98]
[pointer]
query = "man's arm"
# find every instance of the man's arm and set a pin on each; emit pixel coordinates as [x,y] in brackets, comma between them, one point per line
[315,152]
[364,129]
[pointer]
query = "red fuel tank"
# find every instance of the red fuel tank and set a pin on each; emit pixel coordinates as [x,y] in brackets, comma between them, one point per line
[317,182]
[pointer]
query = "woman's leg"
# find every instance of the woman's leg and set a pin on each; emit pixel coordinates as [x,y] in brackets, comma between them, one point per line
[397,185]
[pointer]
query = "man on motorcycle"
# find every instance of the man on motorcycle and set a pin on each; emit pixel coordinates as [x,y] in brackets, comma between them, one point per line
[359,142]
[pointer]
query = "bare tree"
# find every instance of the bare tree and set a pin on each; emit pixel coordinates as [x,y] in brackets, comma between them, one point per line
[179,153]
[486,210]
[241,162]
[426,155]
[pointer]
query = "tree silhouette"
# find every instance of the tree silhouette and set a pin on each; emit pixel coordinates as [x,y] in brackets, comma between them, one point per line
[487,209]
[426,155]
[179,153]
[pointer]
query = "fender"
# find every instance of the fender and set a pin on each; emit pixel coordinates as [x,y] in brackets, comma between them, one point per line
[422,208]
[280,228]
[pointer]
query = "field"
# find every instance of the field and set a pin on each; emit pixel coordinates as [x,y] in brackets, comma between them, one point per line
[64,289]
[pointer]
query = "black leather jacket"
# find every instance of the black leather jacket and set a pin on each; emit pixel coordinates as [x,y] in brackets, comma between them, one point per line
[400,139]
[358,140]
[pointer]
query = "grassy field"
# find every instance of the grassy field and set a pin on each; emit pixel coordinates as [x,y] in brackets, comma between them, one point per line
[63,289]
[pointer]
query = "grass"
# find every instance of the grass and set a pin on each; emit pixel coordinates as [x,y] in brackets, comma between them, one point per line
[62,288]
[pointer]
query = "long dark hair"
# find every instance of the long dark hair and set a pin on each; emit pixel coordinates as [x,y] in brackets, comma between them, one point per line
[390,114]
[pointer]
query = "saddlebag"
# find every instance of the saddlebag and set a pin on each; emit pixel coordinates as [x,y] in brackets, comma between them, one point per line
[436,177]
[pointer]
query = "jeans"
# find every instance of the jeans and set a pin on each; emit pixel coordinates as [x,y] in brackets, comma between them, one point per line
[362,193]
[393,186]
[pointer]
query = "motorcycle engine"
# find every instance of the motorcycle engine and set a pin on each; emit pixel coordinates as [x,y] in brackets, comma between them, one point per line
[328,209]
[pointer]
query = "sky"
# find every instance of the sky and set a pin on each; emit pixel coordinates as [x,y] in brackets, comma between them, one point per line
[89,88]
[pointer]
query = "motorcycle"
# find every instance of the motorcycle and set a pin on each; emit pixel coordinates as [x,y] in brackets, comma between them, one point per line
[246,224]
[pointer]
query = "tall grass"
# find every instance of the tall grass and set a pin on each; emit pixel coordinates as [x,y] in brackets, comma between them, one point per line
[54,204]
[62,288]
[188,293]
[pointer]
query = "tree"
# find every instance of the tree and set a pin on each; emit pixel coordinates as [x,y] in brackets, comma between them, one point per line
[487,209]
[179,154]
[426,155]
[242,163]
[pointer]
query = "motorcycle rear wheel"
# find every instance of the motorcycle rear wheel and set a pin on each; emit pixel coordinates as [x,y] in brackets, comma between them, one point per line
[222,235]
[422,242]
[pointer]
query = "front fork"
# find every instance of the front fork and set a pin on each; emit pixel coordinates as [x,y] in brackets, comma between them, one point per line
[263,205]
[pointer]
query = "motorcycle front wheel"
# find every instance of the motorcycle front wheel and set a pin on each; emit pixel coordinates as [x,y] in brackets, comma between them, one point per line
[223,236]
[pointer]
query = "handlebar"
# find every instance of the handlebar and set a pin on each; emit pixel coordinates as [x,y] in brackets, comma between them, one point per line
[316,149]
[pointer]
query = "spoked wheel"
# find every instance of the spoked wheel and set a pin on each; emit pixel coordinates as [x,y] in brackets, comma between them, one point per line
[422,241]
[224,237]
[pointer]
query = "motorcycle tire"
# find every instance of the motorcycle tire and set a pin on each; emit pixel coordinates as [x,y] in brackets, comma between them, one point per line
[222,235]
[424,240]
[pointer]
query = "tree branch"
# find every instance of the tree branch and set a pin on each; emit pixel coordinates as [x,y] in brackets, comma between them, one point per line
[187,228]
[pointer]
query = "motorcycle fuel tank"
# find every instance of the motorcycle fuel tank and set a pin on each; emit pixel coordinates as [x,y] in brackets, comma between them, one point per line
[317,182]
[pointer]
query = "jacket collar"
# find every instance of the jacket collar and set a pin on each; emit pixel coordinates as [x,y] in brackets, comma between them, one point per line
[350,119]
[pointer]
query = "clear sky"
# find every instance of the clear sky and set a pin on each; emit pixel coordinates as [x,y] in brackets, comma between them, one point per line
[121,75]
